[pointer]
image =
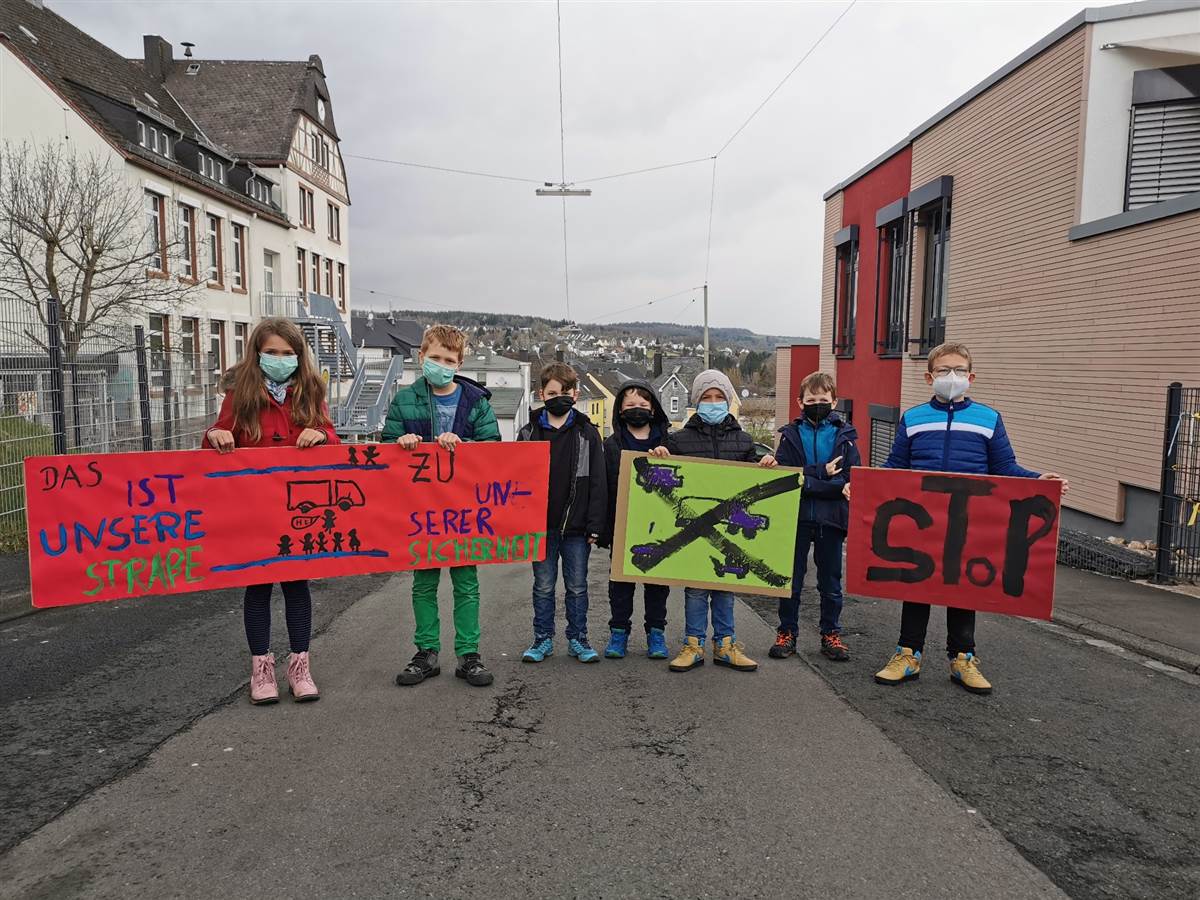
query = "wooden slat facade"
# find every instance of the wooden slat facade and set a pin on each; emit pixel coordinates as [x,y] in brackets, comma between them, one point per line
[1075,343]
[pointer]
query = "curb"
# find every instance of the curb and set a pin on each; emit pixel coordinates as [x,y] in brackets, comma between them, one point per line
[15,606]
[1181,659]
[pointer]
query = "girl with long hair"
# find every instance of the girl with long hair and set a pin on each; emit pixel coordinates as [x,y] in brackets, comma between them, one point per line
[277,399]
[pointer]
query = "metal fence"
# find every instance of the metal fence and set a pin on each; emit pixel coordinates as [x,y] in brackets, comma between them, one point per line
[1178,557]
[119,391]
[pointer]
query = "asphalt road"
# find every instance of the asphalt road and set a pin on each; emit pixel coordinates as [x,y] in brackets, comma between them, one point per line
[86,692]
[618,779]
[1086,757]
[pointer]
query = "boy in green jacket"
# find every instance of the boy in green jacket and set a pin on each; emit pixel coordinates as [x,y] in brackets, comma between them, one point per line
[448,408]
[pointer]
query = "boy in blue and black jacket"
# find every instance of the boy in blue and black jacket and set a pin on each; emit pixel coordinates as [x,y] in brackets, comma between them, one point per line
[950,433]
[822,443]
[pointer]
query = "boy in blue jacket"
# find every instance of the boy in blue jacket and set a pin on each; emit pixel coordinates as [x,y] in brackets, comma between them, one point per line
[823,444]
[950,433]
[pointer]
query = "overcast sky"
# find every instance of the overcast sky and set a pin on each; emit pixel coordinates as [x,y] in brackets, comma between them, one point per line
[475,86]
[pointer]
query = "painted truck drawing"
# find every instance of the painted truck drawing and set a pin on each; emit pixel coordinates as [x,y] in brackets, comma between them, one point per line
[729,568]
[737,519]
[306,496]
[655,476]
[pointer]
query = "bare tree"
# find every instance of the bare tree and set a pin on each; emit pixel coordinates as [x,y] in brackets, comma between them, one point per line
[76,228]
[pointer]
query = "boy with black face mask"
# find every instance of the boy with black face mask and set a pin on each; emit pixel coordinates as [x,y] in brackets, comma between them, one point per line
[576,508]
[639,424]
[823,444]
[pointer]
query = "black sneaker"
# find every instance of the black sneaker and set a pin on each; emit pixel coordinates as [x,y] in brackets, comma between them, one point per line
[832,646]
[471,668]
[424,665]
[784,646]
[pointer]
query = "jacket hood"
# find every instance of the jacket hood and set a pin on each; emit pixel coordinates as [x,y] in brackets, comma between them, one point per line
[660,415]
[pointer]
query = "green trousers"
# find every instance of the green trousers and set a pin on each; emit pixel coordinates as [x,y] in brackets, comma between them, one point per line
[466,609]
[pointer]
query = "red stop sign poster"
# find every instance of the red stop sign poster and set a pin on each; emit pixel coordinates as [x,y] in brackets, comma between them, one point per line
[977,542]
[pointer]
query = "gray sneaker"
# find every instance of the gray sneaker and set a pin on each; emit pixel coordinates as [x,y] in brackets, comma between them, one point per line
[424,664]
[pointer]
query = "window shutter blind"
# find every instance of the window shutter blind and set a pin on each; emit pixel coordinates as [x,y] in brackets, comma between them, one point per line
[1164,154]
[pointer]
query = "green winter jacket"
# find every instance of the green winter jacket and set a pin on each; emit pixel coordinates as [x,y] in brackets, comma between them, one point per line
[411,412]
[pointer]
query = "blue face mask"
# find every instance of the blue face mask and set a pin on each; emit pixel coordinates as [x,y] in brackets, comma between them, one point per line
[713,413]
[278,368]
[436,374]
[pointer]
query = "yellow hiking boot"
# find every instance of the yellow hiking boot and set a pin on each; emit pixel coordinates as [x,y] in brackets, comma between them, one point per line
[690,656]
[732,654]
[904,666]
[964,670]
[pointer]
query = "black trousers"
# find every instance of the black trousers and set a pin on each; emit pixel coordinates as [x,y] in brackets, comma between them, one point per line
[620,602]
[960,628]
[256,614]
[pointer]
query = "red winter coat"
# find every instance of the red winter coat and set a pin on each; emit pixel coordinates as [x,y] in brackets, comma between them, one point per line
[275,423]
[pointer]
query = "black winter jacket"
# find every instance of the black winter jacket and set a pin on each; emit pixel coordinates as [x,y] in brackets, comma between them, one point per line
[616,442]
[724,441]
[578,495]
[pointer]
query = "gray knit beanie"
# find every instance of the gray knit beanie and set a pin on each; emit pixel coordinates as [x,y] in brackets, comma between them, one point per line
[712,378]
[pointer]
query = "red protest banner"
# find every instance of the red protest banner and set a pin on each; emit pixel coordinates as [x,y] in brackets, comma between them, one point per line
[118,525]
[973,541]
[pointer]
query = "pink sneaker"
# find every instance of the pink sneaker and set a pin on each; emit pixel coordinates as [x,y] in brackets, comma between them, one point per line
[262,679]
[300,681]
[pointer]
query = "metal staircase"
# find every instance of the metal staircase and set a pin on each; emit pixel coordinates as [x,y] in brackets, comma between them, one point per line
[358,410]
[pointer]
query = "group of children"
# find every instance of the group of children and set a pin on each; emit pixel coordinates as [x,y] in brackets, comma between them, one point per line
[277,400]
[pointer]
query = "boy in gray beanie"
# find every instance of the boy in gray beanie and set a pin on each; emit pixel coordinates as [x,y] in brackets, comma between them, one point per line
[713,433]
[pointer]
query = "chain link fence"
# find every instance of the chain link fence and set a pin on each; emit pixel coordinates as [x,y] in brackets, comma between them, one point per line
[120,391]
[1178,554]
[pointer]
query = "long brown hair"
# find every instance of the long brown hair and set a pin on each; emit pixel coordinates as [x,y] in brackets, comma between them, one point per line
[250,396]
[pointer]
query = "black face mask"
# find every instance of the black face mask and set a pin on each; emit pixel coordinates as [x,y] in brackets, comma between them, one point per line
[637,417]
[817,412]
[559,406]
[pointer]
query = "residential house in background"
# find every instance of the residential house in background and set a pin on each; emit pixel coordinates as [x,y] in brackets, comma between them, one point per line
[1049,219]
[793,362]
[238,163]
[382,336]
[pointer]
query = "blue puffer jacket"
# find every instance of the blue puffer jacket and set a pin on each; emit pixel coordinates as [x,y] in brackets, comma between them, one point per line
[964,436]
[821,499]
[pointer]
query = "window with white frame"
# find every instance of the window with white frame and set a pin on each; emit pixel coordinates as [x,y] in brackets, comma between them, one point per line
[335,222]
[238,262]
[187,233]
[328,277]
[674,405]
[189,348]
[216,347]
[341,286]
[159,341]
[155,231]
[141,133]
[315,271]
[214,250]
[240,330]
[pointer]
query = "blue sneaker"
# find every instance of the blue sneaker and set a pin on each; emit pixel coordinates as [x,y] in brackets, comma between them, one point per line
[539,650]
[582,651]
[618,642]
[656,644]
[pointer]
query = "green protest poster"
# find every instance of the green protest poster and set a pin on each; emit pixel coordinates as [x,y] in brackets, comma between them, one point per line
[706,523]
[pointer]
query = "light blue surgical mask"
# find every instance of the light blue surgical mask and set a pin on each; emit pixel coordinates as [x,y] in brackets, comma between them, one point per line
[713,413]
[437,374]
[278,368]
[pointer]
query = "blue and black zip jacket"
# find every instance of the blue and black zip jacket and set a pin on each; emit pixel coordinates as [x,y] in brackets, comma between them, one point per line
[803,446]
[964,436]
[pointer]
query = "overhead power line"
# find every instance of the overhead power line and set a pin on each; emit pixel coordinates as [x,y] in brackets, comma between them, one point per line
[686,162]
[414,165]
[642,304]
[806,55]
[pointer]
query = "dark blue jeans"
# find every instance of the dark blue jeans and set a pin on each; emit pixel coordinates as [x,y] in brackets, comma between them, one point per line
[826,543]
[573,550]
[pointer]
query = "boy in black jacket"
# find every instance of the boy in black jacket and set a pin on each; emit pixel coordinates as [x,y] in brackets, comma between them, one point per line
[713,432]
[821,443]
[575,517]
[639,424]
